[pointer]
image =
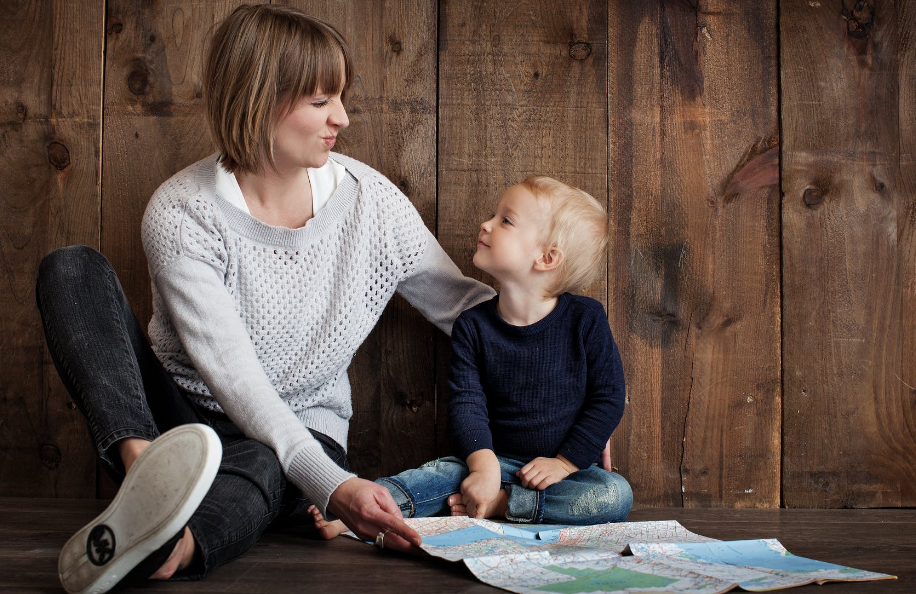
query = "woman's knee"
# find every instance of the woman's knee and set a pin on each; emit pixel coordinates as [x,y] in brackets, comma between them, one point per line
[68,264]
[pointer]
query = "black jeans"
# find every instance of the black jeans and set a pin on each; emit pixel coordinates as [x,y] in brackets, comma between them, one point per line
[112,374]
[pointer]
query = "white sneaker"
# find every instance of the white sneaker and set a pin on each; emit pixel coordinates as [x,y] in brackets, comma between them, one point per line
[157,498]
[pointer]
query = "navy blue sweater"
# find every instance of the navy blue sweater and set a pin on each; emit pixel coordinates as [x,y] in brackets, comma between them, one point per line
[554,387]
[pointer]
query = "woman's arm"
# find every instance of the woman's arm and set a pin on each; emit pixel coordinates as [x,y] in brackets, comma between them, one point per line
[203,314]
[438,290]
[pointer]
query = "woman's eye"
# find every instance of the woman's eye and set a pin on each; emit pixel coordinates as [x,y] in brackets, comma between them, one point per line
[320,103]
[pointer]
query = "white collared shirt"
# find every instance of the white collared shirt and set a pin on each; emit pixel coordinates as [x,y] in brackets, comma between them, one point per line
[324,181]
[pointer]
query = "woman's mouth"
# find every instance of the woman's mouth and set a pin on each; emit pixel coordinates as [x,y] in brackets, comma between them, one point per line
[329,140]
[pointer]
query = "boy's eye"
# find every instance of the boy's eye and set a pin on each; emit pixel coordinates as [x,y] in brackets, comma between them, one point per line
[506,221]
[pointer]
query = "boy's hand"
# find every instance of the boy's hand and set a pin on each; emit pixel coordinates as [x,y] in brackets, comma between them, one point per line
[540,473]
[479,493]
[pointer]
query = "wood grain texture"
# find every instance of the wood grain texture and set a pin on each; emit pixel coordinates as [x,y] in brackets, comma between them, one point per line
[392,110]
[522,90]
[50,117]
[694,262]
[290,561]
[154,123]
[849,237]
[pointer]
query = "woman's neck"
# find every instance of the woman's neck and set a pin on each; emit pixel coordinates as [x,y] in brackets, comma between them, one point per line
[522,307]
[283,199]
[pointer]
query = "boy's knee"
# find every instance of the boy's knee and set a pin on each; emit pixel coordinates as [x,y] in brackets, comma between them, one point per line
[607,500]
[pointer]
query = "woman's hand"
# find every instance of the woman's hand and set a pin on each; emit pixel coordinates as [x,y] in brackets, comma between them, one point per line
[479,493]
[367,509]
[540,473]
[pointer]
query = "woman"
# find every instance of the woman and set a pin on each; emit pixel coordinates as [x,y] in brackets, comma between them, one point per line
[270,263]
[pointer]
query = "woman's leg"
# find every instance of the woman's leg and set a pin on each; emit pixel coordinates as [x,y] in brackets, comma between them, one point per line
[589,496]
[249,494]
[101,353]
[114,377]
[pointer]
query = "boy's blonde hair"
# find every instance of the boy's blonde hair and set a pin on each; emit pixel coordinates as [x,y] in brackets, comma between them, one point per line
[262,60]
[578,228]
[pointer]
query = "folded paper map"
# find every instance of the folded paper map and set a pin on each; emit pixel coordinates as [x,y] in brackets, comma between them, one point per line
[629,557]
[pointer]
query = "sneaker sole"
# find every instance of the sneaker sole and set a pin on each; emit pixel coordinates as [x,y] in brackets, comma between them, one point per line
[157,498]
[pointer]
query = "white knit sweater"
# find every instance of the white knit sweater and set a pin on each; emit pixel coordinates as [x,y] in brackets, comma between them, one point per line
[262,322]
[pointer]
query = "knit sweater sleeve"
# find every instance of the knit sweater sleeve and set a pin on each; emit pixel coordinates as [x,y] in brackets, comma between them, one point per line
[429,279]
[469,422]
[605,394]
[188,265]
[438,289]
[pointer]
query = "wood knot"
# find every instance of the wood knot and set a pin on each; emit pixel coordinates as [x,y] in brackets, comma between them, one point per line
[58,156]
[404,186]
[880,187]
[395,44]
[50,456]
[21,112]
[115,26]
[859,20]
[413,405]
[580,50]
[813,197]
[138,79]
[536,75]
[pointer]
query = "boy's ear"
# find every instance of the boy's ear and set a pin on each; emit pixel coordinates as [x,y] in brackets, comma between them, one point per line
[549,260]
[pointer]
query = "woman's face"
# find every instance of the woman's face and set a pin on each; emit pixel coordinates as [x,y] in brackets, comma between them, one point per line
[306,136]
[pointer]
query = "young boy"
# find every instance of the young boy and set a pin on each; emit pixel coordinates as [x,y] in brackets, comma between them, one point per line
[536,381]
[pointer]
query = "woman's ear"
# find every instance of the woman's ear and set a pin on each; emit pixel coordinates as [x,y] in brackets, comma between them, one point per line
[549,260]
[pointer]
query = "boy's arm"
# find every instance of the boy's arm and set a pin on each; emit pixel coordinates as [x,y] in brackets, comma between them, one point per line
[469,423]
[605,397]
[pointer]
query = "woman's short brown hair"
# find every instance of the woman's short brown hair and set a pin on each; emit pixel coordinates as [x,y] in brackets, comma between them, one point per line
[262,60]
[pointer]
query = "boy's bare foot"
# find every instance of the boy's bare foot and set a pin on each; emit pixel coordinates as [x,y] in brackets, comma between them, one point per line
[499,510]
[327,530]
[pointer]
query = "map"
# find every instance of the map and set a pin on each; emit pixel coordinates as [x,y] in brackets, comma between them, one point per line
[629,557]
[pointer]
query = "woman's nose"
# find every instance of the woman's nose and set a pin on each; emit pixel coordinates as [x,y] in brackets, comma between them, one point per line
[338,116]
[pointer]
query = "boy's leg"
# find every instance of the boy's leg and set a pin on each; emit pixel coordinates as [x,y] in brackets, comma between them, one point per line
[589,496]
[423,492]
[101,353]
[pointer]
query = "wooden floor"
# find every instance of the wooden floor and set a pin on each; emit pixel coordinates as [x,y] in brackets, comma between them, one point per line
[34,530]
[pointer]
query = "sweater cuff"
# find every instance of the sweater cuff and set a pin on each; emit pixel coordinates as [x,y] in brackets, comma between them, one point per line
[468,443]
[317,476]
[579,454]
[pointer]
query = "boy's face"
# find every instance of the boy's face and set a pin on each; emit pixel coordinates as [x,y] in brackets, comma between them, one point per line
[511,242]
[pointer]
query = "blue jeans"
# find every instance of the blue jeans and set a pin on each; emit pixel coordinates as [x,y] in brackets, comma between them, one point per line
[116,380]
[589,496]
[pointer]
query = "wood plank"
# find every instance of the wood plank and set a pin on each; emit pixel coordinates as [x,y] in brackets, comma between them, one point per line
[50,117]
[849,237]
[521,92]
[153,125]
[282,561]
[392,110]
[694,260]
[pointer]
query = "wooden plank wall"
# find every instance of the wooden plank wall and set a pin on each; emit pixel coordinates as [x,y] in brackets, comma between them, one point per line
[849,275]
[757,161]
